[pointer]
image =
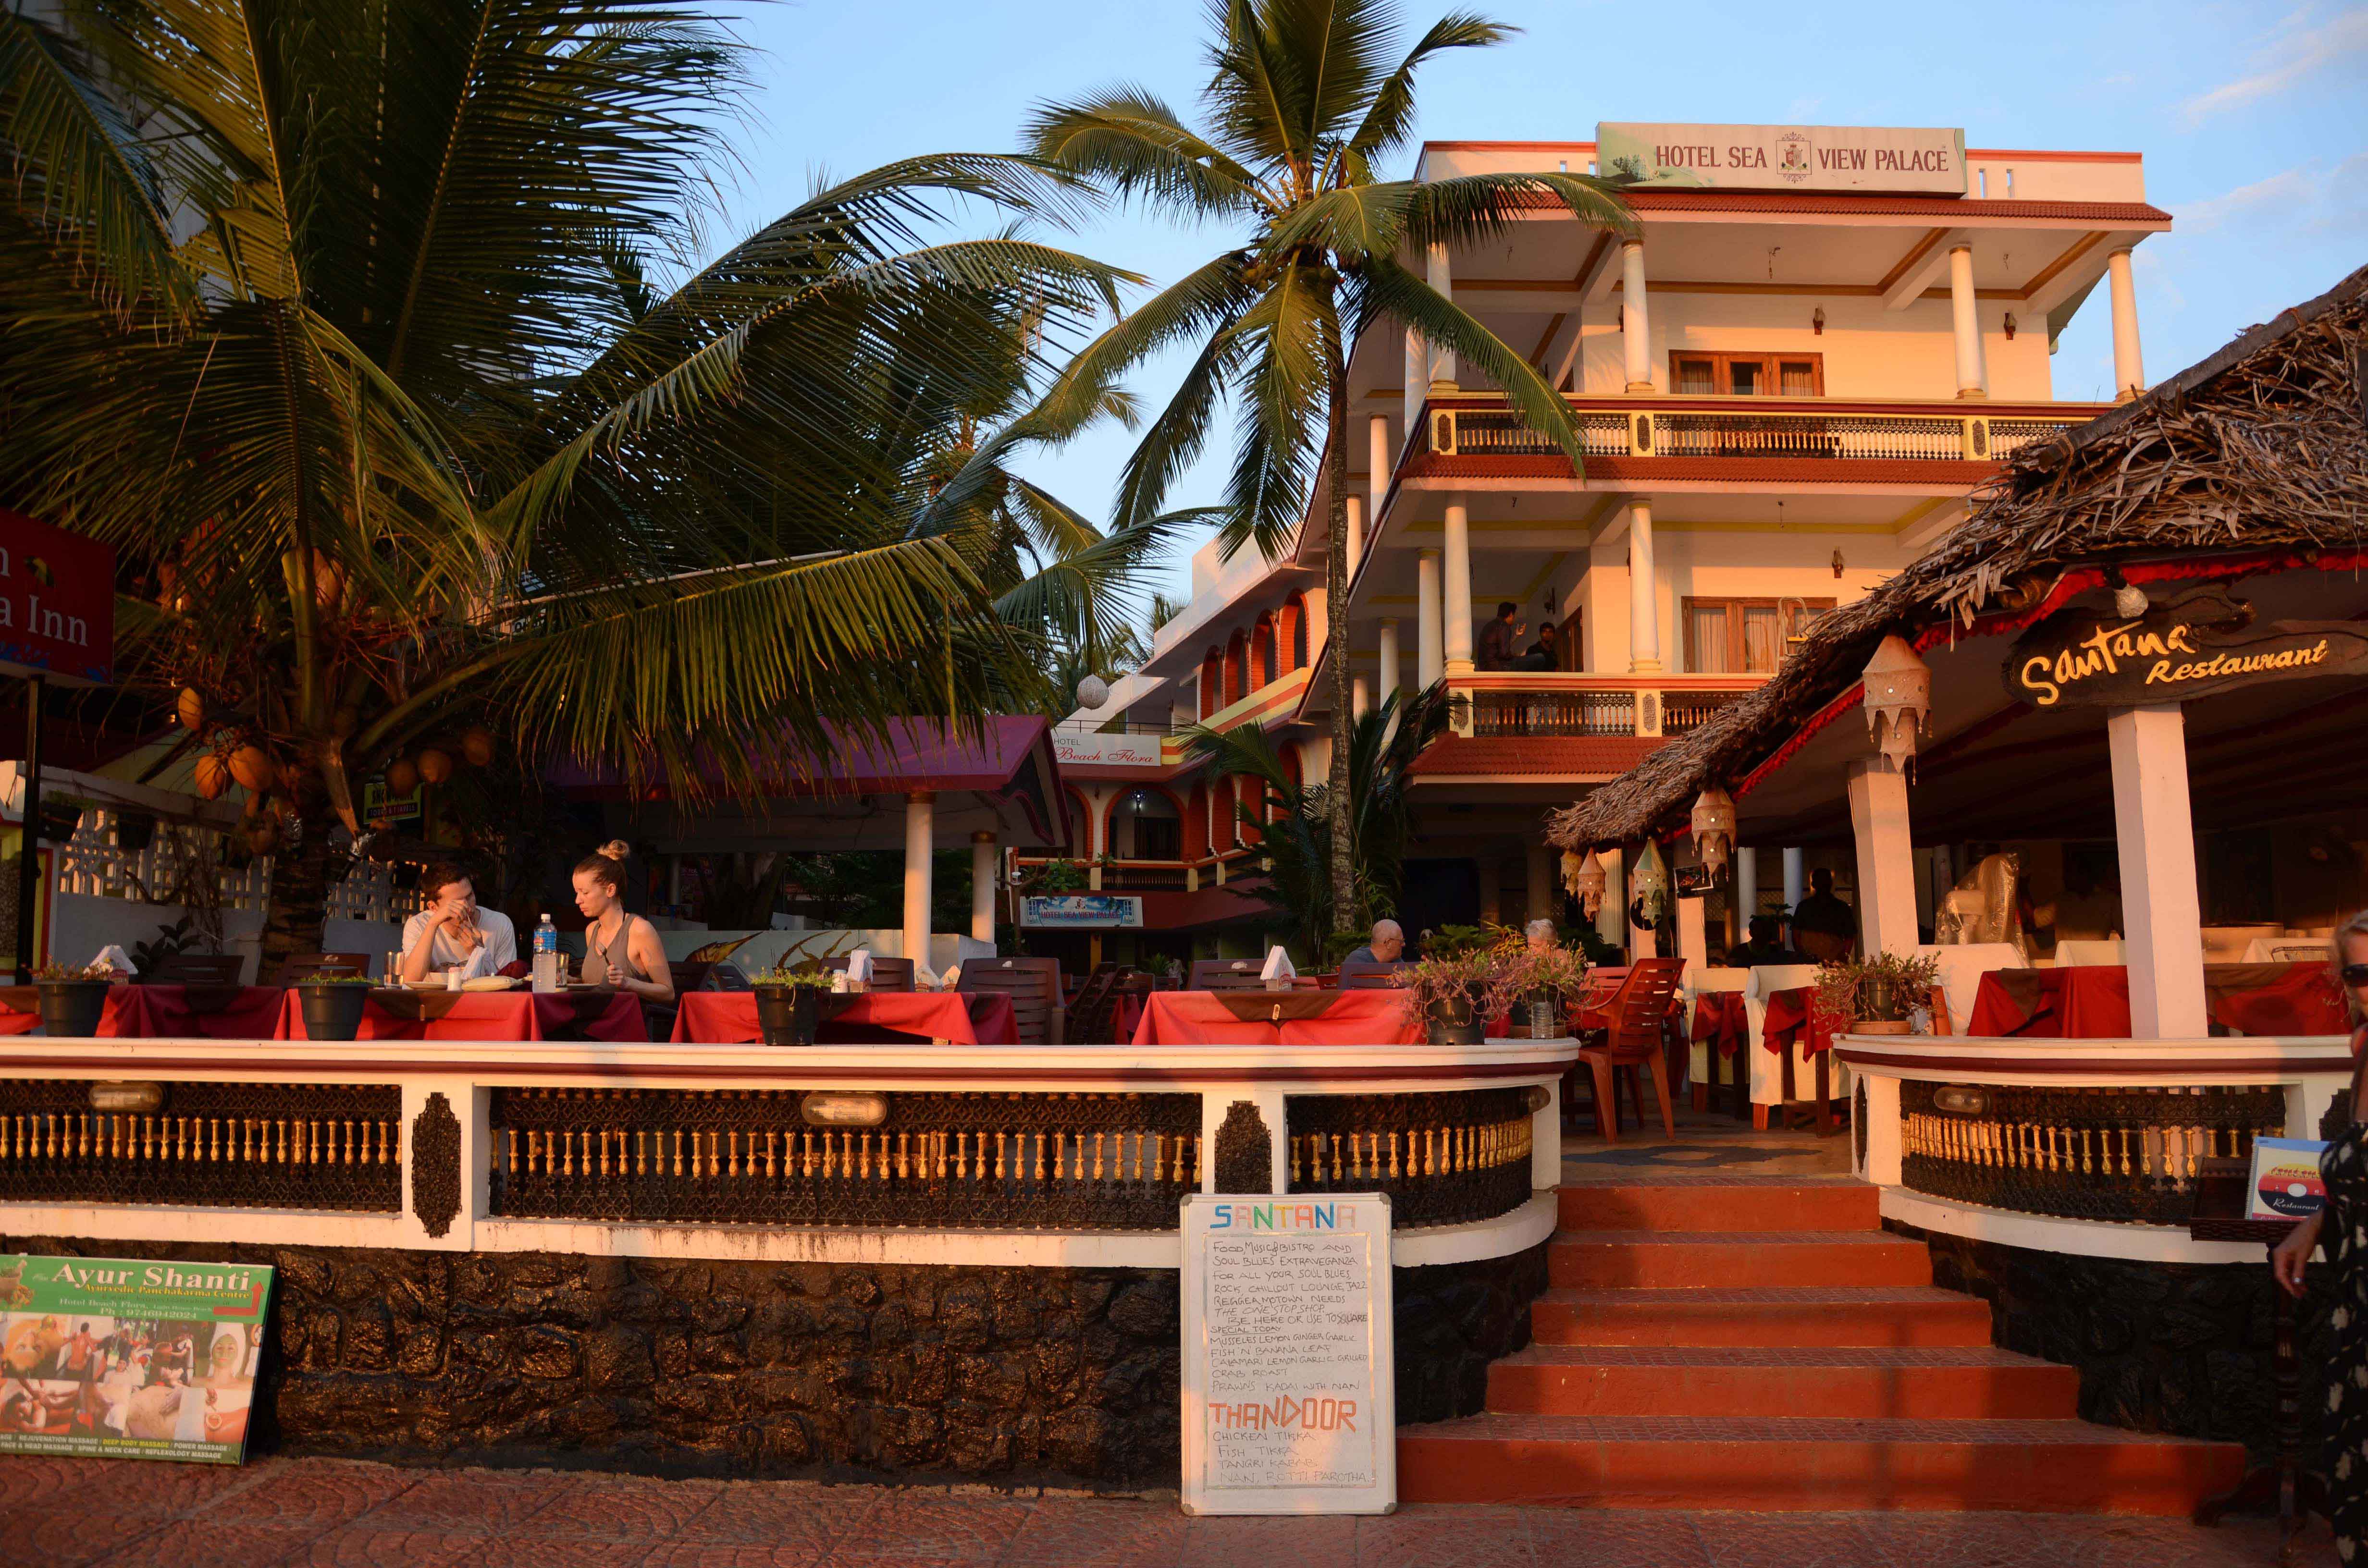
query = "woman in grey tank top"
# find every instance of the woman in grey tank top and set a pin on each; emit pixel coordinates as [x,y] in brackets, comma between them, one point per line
[621,949]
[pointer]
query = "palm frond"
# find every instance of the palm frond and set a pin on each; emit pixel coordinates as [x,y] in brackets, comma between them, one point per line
[1389,120]
[1132,142]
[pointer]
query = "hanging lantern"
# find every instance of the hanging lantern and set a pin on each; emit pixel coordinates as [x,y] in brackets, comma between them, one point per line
[1584,877]
[1898,698]
[1714,825]
[1649,886]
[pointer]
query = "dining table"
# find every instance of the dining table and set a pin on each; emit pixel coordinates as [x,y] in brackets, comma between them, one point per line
[401,1013]
[1277,1018]
[2092,1001]
[872,1018]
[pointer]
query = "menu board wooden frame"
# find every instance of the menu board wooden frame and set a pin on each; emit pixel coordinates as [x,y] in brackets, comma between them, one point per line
[1289,1354]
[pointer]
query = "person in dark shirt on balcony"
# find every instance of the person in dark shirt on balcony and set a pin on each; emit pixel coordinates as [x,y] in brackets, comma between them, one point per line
[1763,948]
[1540,654]
[1500,638]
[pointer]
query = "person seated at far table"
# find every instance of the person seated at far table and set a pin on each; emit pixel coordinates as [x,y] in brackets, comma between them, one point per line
[620,950]
[1765,945]
[1385,946]
[452,932]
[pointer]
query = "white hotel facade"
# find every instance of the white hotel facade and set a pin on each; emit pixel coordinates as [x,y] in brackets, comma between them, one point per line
[1791,381]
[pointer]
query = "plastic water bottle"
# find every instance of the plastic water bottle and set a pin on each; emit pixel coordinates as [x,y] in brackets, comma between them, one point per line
[546,956]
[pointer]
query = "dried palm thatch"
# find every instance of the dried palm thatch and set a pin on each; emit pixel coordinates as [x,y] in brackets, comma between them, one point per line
[2262,445]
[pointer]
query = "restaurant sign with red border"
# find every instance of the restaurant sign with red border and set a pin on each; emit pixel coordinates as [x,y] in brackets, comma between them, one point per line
[57,602]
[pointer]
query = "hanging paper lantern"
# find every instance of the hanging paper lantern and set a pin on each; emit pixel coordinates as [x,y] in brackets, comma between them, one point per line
[1714,825]
[1584,877]
[1650,884]
[1898,698]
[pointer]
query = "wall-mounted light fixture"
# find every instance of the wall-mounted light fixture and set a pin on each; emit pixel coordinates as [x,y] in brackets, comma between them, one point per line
[1839,564]
[2010,327]
[1818,323]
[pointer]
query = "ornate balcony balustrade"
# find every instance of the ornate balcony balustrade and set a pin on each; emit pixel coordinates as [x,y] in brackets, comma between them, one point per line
[1739,428]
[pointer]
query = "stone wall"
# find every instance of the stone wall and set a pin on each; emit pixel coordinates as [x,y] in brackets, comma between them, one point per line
[2182,1348]
[689,1368]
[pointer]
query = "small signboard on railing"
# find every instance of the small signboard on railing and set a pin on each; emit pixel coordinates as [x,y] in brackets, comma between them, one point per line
[112,1357]
[1290,1398]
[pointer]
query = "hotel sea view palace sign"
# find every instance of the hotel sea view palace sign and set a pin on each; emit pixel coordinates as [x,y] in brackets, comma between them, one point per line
[2201,644]
[1785,157]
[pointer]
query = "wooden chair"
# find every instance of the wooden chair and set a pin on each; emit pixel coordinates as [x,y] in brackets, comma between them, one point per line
[304,966]
[1034,987]
[195,969]
[887,974]
[689,974]
[1638,1016]
[1368,976]
[1089,1010]
[1226,974]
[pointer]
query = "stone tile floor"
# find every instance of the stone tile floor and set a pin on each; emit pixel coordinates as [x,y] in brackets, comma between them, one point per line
[1710,1144]
[63,1513]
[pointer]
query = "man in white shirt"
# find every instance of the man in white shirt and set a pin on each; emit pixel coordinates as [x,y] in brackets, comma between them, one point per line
[452,931]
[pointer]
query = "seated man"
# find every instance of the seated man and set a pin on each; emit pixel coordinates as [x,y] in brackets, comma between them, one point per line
[1387,945]
[1764,947]
[453,932]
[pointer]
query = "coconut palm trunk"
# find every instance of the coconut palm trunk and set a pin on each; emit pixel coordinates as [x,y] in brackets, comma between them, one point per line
[1335,636]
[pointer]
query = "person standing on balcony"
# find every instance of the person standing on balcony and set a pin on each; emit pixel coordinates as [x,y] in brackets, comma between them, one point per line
[1500,638]
[2343,1171]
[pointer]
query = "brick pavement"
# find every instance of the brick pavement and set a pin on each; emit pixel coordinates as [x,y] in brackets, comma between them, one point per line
[63,1513]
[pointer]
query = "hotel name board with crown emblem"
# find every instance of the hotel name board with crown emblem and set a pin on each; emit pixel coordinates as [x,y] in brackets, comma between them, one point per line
[1785,157]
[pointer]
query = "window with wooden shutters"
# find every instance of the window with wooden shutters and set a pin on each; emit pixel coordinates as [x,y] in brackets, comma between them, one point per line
[1747,375]
[1745,636]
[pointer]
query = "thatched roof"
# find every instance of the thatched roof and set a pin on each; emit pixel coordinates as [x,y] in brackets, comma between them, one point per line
[2264,444]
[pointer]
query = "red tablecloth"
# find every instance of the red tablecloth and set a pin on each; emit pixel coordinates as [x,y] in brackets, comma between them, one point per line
[1353,1017]
[170,1012]
[1128,1016]
[968,1017]
[2275,998]
[1792,1019]
[2076,1002]
[493,1014]
[1719,1017]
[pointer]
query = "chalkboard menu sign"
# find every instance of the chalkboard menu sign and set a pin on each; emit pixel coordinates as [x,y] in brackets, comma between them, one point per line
[1289,1406]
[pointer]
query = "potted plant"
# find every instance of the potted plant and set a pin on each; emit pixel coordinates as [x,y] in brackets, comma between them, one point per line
[1456,994]
[332,1004]
[1544,980]
[789,1002]
[72,998]
[1876,995]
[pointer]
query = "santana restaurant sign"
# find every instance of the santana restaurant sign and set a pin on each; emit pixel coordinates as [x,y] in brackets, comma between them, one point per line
[1785,157]
[57,602]
[2200,647]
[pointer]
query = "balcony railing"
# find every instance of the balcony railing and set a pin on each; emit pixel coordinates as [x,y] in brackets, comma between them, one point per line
[1792,428]
[1182,875]
[1514,703]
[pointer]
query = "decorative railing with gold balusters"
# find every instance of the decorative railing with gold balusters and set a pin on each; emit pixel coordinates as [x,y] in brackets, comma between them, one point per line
[1444,1159]
[2127,1154]
[327,1146]
[1046,1160]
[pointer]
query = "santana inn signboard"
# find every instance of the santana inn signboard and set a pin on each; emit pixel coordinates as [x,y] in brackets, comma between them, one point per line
[57,603]
[2200,645]
[1785,157]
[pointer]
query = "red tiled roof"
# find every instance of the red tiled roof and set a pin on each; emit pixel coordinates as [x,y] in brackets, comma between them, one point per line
[1782,470]
[1572,756]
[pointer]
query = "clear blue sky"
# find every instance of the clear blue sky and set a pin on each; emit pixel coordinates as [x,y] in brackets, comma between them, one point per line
[2253,119]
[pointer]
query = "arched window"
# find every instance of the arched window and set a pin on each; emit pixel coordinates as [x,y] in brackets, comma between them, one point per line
[1212,697]
[1196,823]
[1082,822]
[1236,669]
[1146,824]
[1295,632]
[1293,768]
[1266,664]
[1224,826]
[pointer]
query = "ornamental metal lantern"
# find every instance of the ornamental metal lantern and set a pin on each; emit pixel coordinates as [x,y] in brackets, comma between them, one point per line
[1584,877]
[1649,885]
[1713,827]
[1898,698]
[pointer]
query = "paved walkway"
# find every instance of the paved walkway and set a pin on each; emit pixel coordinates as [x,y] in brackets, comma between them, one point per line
[60,1512]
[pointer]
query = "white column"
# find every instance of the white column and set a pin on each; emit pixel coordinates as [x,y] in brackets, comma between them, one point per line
[1360,698]
[1377,458]
[2129,365]
[1389,679]
[1545,890]
[1417,384]
[1747,890]
[1491,873]
[920,839]
[2160,912]
[1442,361]
[1355,506]
[1796,881]
[1644,593]
[1636,325]
[1694,934]
[1430,660]
[1611,920]
[1972,380]
[1886,861]
[1456,615]
[982,886]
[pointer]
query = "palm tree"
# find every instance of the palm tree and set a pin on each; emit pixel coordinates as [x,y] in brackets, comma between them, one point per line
[1301,104]
[344,330]
[1297,821]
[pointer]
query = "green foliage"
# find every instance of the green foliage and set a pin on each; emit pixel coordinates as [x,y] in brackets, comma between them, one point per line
[1462,941]
[1885,986]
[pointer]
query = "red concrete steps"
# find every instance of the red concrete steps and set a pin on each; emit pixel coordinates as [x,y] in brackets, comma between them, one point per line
[1667,1260]
[1940,1383]
[1831,1316]
[1707,1203]
[1808,1464]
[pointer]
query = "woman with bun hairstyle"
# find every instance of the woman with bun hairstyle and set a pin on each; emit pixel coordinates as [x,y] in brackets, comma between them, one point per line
[620,950]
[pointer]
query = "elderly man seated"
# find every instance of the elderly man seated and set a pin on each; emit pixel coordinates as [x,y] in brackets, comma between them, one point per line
[1387,945]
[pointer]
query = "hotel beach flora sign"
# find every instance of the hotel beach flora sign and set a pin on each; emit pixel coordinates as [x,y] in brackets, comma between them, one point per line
[1785,157]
